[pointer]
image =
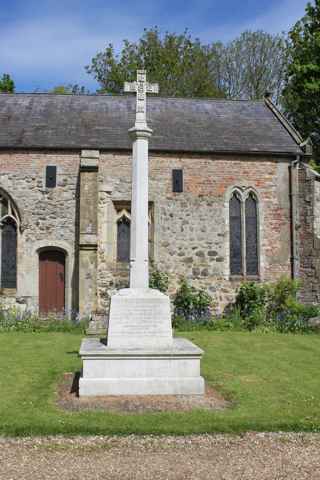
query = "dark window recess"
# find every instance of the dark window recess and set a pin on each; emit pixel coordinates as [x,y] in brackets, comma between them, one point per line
[123,240]
[9,255]
[51,176]
[177,181]
[235,236]
[251,236]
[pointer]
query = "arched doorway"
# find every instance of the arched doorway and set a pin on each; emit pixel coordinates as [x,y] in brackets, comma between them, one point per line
[51,282]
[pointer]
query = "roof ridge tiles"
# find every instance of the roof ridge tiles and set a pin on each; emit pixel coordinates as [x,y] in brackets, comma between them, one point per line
[119,95]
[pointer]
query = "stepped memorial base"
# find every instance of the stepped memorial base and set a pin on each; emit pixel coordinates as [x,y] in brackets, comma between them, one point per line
[174,370]
[140,357]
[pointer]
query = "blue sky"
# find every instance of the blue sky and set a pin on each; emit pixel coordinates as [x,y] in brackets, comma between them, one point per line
[48,43]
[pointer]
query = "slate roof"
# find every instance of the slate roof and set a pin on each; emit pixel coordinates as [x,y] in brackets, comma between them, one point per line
[179,124]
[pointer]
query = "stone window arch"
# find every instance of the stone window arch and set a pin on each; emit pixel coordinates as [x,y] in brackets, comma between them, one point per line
[244,232]
[9,227]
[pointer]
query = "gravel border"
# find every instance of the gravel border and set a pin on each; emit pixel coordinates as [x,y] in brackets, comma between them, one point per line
[258,456]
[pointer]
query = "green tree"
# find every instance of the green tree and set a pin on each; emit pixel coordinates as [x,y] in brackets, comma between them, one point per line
[302,90]
[70,89]
[250,65]
[6,84]
[181,65]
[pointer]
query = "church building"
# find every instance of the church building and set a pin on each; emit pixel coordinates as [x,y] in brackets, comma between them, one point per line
[231,198]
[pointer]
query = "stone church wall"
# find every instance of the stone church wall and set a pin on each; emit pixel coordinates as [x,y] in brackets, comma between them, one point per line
[189,231]
[309,235]
[190,235]
[48,216]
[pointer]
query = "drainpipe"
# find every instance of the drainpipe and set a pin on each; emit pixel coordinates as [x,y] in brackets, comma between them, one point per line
[294,203]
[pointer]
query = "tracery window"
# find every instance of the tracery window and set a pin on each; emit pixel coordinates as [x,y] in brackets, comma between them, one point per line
[251,227]
[122,229]
[236,266]
[123,237]
[9,222]
[243,225]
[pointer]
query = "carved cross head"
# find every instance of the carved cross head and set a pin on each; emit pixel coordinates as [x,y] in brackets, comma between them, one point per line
[141,87]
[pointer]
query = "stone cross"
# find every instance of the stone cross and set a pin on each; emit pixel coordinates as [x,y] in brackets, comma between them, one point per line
[141,87]
[141,356]
[140,134]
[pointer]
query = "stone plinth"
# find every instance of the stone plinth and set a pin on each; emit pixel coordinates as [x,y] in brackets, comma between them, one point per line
[140,356]
[173,370]
[139,318]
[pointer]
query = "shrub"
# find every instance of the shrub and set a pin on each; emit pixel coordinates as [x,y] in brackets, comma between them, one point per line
[159,280]
[192,304]
[274,307]
[309,311]
[252,296]
[283,294]
[255,319]
[179,323]
[221,324]
[293,316]
[232,321]
[284,311]
[17,320]
[262,307]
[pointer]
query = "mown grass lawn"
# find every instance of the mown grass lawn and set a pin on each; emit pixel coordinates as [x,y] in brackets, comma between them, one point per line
[272,379]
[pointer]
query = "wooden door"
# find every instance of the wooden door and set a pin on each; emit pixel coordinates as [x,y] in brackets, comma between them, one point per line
[51,282]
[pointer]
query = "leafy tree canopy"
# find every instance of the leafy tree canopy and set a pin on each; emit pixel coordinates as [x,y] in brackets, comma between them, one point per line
[251,64]
[181,65]
[302,91]
[70,89]
[6,84]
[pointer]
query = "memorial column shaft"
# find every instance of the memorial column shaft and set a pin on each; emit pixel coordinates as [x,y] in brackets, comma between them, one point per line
[139,255]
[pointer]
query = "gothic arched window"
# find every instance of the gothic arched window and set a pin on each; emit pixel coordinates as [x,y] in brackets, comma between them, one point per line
[123,239]
[243,224]
[251,226]
[235,235]
[8,243]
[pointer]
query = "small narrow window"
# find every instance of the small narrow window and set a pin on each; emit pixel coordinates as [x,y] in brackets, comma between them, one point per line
[9,253]
[251,236]
[177,181]
[235,236]
[4,207]
[123,239]
[51,176]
